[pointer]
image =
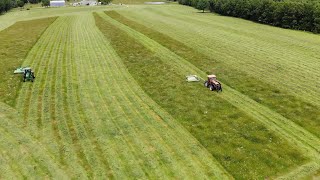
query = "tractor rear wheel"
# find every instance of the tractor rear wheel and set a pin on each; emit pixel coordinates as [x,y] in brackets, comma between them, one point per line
[211,88]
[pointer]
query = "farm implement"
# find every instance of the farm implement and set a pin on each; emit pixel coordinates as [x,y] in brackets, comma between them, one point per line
[212,83]
[28,74]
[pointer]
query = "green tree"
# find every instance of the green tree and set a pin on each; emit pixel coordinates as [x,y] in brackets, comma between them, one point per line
[105,2]
[20,3]
[45,3]
[202,5]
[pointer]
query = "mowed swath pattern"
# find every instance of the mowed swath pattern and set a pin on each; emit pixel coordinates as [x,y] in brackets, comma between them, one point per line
[286,59]
[309,143]
[21,155]
[94,119]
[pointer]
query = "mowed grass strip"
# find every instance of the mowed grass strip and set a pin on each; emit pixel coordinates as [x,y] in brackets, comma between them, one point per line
[25,156]
[295,109]
[243,146]
[16,42]
[58,128]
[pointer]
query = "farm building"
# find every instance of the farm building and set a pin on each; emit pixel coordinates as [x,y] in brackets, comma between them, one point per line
[57,3]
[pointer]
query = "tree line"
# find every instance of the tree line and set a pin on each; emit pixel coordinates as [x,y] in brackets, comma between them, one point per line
[6,5]
[303,15]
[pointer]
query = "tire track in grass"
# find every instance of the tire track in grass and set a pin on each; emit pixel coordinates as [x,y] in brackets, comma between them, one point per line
[308,142]
[166,130]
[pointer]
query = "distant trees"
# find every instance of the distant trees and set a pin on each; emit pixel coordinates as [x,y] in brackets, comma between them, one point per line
[6,5]
[304,15]
[202,5]
[105,2]
[45,3]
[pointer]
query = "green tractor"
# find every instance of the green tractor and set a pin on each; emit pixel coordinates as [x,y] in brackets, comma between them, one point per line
[28,74]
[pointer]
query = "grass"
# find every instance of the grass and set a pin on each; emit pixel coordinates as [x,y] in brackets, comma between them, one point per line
[299,111]
[114,103]
[16,42]
[213,121]
[127,136]
[21,155]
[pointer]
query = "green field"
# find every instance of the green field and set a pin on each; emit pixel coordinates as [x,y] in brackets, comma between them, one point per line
[110,98]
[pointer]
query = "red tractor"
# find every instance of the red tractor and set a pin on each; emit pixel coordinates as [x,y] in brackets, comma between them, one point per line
[212,83]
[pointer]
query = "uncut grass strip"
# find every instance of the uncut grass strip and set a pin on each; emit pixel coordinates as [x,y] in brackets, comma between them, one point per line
[162,38]
[135,169]
[166,57]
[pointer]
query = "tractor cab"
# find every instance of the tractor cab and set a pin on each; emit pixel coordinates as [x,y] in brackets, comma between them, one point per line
[212,77]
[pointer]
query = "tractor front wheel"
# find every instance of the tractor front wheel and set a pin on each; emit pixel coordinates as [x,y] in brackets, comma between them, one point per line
[206,84]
